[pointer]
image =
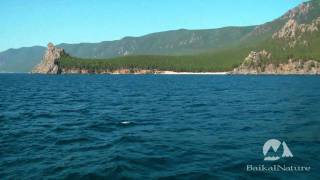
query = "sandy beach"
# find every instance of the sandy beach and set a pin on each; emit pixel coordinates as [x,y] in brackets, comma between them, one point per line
[193,73]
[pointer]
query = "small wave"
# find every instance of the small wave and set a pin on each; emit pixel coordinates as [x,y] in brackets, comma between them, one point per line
[124,140]
[70,141]
[61,129]
[246,128]
[44,115]
[196,105]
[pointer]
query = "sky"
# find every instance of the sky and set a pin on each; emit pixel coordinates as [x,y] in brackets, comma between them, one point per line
[27,23]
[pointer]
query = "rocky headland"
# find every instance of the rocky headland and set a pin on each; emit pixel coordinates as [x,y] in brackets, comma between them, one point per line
[287,45]
[255,63]
[50,61]
[261,63]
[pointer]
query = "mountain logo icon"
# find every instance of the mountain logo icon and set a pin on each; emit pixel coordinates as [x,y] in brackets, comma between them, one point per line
[271,147]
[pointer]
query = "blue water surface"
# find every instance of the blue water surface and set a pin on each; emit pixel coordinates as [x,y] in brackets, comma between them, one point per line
[155,126]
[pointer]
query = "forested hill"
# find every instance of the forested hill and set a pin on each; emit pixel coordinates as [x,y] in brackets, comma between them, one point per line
[295,35]
[177,42]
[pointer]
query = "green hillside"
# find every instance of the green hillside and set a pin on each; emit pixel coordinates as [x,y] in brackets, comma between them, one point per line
[177,42]
[223,60]
[295,35]
[214,62]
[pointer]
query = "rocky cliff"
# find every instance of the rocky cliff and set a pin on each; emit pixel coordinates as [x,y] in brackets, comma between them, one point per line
[261,63]
[50,61]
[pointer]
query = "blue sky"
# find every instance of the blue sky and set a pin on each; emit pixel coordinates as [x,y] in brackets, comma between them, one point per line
[36,22]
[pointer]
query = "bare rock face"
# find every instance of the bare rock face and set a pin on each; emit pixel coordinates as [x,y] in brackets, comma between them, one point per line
[257,63]
[288,31]
[301,10]
[293,31]
[50,61]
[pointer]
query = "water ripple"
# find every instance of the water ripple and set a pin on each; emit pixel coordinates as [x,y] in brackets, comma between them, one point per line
[153,127]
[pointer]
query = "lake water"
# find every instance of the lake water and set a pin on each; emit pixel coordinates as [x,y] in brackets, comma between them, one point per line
[155,126]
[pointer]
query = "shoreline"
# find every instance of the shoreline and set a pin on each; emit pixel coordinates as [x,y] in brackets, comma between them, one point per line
[178,73]
[193,73]
[138,71]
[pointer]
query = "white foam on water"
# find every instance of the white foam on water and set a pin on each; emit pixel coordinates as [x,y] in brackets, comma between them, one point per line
[125,122]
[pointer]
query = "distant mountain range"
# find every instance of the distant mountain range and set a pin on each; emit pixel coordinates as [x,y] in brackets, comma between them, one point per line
[293,35]
[163,43]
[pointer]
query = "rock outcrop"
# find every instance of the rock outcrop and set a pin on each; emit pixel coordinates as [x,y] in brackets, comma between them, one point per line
[260,63]
[302,10]
[50,61]
[253,63]
[299,25]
